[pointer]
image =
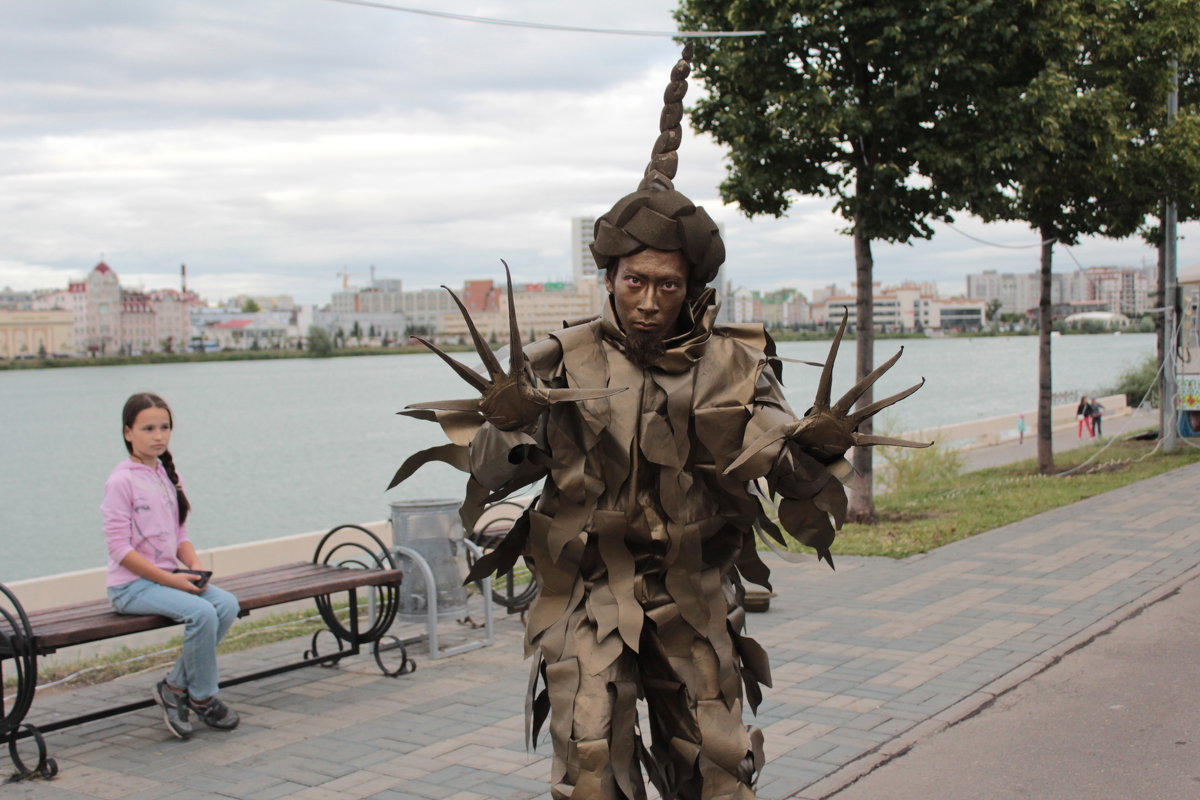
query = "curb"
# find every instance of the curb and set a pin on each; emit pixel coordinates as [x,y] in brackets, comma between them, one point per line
[986,695]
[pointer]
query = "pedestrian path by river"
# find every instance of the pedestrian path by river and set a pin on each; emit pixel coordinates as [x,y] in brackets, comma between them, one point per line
[866,662]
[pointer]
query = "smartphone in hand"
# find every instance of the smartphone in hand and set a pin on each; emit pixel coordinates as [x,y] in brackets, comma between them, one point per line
[204,574]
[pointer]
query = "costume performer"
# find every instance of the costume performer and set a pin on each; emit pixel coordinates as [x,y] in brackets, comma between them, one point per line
[658,435]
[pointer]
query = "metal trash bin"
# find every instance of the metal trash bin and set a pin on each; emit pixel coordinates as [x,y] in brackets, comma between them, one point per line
[433,530]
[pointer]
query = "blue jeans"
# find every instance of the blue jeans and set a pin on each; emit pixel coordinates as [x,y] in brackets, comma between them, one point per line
[206,617]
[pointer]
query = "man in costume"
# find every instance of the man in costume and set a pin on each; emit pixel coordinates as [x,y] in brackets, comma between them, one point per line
[658,438]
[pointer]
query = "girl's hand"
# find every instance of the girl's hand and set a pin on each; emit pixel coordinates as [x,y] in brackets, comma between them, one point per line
[183,582]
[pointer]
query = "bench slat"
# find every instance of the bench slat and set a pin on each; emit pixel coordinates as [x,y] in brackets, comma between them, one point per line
[88,622]
[244,581]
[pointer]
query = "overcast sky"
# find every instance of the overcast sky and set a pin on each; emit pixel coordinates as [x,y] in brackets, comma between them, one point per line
[270,144]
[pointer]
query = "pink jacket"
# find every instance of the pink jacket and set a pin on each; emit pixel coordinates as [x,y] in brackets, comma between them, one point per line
[140,513]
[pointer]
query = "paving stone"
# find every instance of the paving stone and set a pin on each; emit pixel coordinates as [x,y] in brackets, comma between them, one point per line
[863,659]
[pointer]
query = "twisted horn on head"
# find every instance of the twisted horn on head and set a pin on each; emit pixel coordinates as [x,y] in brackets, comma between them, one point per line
[664,160]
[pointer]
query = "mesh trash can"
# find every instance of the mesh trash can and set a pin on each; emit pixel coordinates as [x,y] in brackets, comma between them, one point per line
[433,530]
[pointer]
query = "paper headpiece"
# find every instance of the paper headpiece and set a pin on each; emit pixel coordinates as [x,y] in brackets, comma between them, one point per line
[656,215]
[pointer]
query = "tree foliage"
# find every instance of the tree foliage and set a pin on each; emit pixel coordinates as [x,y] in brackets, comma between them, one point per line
[1050,113]
[876,105]
[320,343]
[1083,148]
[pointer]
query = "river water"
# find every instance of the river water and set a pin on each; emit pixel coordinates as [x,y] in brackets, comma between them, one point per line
[273,448]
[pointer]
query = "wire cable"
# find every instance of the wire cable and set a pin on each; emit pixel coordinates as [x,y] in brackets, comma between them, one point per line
[994,244]
[543,26]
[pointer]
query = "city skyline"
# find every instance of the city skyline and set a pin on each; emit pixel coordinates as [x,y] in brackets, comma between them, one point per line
[270,150]
[376,277]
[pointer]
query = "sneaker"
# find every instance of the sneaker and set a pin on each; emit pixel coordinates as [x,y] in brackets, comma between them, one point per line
[175,710]
[215,714]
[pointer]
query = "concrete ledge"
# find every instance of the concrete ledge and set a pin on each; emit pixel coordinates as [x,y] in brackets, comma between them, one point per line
[994,430]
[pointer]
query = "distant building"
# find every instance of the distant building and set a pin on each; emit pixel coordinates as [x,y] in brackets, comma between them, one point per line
[583,266]
[14,300]
[783,308]
[541,308]
[278,302]
[909,307]
[1124,290]
[25,333]
[232,329]
[110,320]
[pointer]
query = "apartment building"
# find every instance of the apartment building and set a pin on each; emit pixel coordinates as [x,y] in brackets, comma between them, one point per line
[909,307]
[541,308]
[1124,290]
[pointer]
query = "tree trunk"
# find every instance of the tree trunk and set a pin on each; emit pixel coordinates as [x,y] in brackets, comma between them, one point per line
[862,499]
[1045,433]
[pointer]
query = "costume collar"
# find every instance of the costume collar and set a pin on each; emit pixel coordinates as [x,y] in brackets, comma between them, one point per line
[683,349]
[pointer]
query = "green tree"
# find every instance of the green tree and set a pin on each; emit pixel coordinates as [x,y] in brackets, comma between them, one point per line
[251,306]
[872,104]
[993,307]
[1168,164]
[320,343]
[1075,145]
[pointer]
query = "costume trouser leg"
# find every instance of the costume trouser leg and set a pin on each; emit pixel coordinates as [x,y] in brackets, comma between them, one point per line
[700,745]
[593,717]
[710,759]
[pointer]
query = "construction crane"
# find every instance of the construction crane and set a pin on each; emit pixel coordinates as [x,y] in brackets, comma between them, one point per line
[346,276]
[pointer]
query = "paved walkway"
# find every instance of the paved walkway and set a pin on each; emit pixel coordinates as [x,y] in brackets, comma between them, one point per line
[1064,439]
[867,661]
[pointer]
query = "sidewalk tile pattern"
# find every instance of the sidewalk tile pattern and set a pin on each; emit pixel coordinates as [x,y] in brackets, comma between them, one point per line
[866,661]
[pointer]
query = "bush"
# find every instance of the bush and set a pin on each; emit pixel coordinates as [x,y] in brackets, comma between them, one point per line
[1136,380]
[320,343]
[907,468]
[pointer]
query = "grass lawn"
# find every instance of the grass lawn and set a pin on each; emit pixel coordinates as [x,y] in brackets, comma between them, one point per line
[925,517]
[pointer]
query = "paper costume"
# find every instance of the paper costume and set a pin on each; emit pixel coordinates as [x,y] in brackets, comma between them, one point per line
[654,481]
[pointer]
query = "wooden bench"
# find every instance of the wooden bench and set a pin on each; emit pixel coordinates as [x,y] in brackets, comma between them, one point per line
[347,559]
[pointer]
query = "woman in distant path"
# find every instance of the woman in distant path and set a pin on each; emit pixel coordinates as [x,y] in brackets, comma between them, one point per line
[144,512]
[1083,413]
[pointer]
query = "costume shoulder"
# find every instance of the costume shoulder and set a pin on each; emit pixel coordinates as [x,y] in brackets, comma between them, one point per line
[752,340]
[747,334]
[580,347]
[544,357]
[578,334]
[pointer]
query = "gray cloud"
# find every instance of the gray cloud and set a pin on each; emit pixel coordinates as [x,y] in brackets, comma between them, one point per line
[271,144]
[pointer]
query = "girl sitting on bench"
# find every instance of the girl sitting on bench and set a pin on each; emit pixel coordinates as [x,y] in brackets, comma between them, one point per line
[144,512]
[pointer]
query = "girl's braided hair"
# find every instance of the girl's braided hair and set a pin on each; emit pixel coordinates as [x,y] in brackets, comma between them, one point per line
[135,405]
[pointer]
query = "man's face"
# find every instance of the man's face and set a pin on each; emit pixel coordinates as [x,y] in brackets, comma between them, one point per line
[648,292]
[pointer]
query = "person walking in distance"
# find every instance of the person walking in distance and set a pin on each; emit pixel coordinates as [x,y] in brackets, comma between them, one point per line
[1097,414]
[1083,415]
